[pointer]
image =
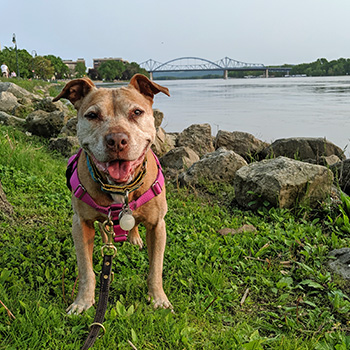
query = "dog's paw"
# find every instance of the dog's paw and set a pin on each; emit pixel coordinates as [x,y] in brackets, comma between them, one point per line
[160,301]
[135,239]
[78,307]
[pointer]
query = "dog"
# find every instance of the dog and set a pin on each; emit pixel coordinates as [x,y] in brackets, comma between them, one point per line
[115,130]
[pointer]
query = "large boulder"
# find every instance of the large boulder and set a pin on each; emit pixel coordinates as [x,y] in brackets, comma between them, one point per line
[282,182]
[17,91]
[45,124]
[341,172]
[197,137]
[303,148]
[179,158]
[243,143]
[219,166]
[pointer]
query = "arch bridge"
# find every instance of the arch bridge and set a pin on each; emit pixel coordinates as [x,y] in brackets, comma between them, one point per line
[182,64]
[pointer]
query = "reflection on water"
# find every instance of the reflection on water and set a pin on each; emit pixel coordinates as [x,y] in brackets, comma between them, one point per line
[267,108]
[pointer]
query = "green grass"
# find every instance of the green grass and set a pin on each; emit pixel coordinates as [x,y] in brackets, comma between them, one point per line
[293,301]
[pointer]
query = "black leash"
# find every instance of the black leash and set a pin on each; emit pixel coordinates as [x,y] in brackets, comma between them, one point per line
[105,279]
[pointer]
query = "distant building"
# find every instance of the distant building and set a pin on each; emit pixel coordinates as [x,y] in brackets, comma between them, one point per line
[99,61]
[72,64]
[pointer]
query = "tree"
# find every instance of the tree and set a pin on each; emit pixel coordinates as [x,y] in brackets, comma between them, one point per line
[60,69]
[8,55]
[43,68]
[110,70]
[131,69]
[80,70]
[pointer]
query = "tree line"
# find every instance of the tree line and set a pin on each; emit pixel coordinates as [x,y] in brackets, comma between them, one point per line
[322,67]
[50,67]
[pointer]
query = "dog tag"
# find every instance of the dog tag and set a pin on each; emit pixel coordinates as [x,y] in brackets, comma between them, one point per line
[126,220]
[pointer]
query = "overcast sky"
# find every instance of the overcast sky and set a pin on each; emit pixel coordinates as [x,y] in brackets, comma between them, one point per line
[254,31]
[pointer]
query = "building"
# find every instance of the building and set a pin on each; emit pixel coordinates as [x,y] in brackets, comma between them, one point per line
[72,64]
[99,61]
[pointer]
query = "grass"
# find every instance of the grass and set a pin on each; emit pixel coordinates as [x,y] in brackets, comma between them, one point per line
[292,301]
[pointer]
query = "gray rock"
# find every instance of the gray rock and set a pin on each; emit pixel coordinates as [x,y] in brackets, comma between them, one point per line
[179,158]
[197,137]
[70,128]
[303,148]
[8,102]
[219,166]
[282,182]
[17,91]
[243,143]
[7,119]
[340,265]
[341,172]
[163,143]
[158,118]
[67,145]
[45,124]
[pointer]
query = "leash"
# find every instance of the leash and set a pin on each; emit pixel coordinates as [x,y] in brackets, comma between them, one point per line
[105,280]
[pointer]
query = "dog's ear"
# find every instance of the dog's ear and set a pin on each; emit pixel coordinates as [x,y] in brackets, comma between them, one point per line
[147,87]
[75,91]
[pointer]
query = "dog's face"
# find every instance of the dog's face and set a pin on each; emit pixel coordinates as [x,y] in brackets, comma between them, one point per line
[115,126]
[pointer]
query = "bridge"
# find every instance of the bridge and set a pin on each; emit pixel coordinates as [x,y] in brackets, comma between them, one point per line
[194,64]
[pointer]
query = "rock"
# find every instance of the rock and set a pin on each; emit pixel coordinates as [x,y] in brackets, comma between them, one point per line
[179,158]
[163,143]
[303,148]
[17,91]
[7,119]
[45,124]
[218,166]
[67,145]
[243,143]
[8,102]
[47,105]
[158,117]
[340,265]
[282,182]
[197,137]
[341,172]
[70,128]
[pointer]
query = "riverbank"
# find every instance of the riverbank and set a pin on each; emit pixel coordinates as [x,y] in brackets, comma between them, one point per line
[237,278]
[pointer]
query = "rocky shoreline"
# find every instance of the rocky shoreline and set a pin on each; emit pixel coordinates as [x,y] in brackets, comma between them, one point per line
[284,173]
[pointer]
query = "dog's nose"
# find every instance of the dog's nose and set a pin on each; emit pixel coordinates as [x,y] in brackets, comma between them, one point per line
[117,141]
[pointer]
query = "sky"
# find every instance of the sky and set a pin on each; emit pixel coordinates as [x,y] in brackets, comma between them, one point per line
[270,32]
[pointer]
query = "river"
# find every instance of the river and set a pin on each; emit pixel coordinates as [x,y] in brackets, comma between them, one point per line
[267,108]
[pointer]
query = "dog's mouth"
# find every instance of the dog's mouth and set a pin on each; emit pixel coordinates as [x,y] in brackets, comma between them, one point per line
[119,170]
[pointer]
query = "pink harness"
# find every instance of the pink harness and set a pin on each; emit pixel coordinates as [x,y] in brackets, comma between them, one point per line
[113,210]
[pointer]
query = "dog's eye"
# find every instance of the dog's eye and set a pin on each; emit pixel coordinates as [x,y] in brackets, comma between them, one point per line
[91,115]
[138,112]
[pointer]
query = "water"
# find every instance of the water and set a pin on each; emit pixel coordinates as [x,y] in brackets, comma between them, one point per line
[267,108]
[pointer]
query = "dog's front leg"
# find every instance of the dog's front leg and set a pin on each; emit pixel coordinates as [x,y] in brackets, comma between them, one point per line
[156,240]
[83,236]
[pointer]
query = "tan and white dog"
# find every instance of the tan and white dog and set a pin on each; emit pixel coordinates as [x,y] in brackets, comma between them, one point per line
[116,130]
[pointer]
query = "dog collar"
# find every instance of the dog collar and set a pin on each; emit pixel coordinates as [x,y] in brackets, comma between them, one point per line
[113,210]
[115,189]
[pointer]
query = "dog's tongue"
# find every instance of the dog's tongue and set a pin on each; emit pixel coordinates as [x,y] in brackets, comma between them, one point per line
[119,171]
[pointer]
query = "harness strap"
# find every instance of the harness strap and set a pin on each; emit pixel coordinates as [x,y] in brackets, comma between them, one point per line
[114,210]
